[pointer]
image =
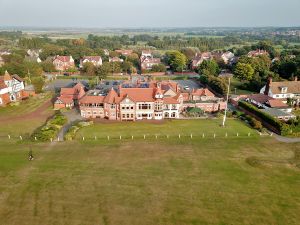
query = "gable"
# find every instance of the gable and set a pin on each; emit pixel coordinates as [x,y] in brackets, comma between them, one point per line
[170,92]
[127,100]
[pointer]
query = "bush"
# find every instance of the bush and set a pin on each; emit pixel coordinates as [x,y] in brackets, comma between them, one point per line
[70,135]
[50,129]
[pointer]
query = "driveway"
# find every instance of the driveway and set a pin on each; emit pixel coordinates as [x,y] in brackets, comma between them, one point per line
[72,115]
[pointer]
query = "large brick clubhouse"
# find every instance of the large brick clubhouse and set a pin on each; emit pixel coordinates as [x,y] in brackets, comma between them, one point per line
[136,101]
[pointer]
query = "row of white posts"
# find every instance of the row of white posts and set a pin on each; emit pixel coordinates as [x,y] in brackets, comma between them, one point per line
[179,136]
[144,136]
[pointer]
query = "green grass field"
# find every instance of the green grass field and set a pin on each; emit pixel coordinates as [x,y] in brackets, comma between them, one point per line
[163,181]
[173,128]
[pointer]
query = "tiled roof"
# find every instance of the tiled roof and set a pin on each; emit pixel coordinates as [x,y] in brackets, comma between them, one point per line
[65,99]
[138,94]
[292,87]
[90,99]
[170,100]
[63,58]
[275,103]
[261,98]
[110,98]
[203,92]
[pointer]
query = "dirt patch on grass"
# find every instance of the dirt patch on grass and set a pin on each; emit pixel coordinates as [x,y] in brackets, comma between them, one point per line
[39,112]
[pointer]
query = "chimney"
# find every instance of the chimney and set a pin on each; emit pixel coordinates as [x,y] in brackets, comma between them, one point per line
[268,85]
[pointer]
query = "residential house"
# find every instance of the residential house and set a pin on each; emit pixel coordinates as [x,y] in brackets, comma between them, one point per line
[95,60]
[199,58]
[265,101]
[11,88]
[69,96]
[148,61]
[63,63]
[257,53]
[284,91]
[124,52]
[227,57]
[115,59]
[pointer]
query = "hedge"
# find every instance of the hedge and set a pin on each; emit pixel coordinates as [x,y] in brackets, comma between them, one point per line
[283,128]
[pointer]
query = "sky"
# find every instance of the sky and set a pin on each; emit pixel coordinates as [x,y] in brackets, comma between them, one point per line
[149,13]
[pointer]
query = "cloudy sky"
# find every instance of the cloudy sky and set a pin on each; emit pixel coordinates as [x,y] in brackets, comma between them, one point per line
[149,13]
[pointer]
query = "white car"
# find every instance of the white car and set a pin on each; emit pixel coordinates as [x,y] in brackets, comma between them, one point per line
[186,88]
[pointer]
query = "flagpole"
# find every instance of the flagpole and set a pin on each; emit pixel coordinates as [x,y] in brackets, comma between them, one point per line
[226,108]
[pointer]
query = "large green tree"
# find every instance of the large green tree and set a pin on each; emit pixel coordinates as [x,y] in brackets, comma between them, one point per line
[243,71]
[176,60]
[209,67]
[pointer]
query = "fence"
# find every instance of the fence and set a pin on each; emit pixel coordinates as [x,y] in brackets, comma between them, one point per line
[226,135]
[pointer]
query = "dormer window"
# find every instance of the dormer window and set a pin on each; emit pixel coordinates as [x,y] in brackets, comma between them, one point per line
[157,96]
[283,89]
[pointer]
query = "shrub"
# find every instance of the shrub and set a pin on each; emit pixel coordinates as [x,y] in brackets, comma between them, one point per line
[50,129]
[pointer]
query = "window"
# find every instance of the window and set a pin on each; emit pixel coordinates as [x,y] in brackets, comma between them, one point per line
[144,106]
[173,115]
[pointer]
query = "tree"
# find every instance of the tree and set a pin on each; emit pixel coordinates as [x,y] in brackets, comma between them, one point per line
[103,70]
[38,83]
[209,67]
[127,67]
[243,71]
[89,69]
[48,66]
[159,68]
[176,60]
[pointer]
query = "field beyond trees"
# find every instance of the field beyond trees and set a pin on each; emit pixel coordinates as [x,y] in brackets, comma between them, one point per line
[234,180]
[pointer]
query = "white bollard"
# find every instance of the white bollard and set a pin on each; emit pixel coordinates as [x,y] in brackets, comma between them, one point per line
[51,139]
[155,136]
[214,135]
[83,138]
[95,137]
[107,137]
[132,137]
[179,136]
[144,136]
[249,134]
[168,136]
[57,138]
[226,135]
[8,136]
[237,134]
[35,138]
[21,137]
[120,137]
[191,136]
[203,135]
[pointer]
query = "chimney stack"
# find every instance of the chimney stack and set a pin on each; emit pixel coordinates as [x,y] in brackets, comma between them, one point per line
[268,85]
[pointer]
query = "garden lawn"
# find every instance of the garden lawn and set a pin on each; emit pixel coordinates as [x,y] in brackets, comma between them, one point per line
[198,181]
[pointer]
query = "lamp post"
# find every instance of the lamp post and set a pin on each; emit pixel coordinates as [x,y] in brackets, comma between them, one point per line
[226,108]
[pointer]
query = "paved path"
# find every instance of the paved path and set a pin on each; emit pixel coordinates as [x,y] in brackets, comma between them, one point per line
[286,139]
[72,116]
